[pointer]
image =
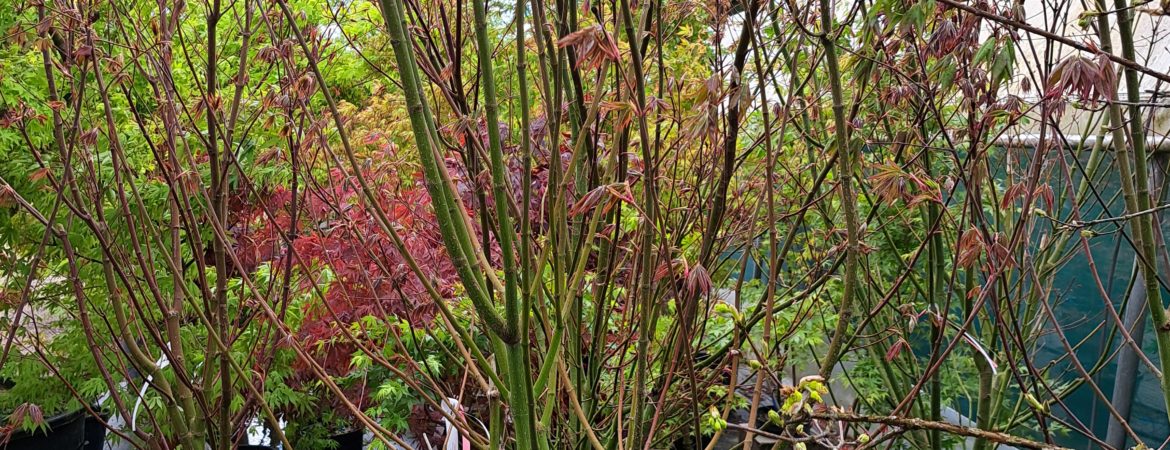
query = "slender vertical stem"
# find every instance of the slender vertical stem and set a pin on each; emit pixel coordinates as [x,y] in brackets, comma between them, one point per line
[505,233]
[845,160]
[773,236]
[1135,183]
[519,377]
[527,272]
[646,250]
[456,237]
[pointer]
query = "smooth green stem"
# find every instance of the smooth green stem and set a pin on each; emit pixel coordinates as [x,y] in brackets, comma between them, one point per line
[519,375]
[845,160]
[456,236]
[1135,184]
[505,233]
[646,252]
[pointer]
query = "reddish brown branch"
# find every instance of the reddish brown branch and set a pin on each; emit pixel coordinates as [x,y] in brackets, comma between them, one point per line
[920,424]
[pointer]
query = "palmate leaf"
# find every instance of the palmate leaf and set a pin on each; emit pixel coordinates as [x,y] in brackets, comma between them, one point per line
[985,52]
[1001,68]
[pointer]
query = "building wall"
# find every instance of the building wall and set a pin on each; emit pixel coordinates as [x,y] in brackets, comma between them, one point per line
[1152,45]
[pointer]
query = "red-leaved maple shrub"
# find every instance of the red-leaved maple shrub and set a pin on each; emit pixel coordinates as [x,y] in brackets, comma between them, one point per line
[335,228]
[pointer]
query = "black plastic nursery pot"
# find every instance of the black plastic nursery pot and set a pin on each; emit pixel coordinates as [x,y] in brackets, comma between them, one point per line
[349,441]
[95,432]
[64,432]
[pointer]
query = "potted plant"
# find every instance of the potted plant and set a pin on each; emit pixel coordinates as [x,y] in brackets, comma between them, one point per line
[42,381]
[64,431]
